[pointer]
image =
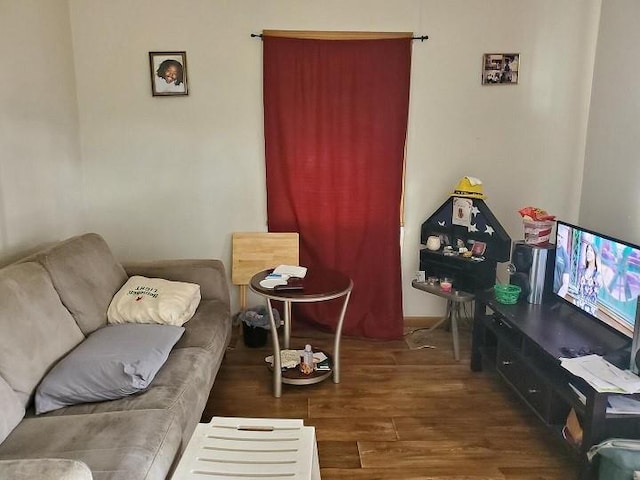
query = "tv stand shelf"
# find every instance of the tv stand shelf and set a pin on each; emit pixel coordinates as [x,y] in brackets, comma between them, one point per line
[523,344]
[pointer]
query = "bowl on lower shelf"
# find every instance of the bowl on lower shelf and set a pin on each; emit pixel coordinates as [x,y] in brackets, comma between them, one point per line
[506,293]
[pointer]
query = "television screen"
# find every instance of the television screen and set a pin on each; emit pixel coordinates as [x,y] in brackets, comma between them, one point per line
[599,275]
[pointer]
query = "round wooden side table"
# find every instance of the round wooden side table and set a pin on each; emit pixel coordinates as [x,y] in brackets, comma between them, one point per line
[319,285]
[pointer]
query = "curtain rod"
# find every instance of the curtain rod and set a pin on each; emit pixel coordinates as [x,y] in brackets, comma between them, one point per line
[422,38]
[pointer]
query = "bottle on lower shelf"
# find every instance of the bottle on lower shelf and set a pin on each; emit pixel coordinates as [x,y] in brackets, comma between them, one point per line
[306,365]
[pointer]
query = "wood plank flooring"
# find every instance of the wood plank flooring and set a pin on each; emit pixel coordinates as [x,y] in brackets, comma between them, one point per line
[399,413]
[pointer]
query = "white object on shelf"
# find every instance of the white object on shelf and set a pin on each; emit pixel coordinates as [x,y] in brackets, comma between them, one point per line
[288,358]
[307,356]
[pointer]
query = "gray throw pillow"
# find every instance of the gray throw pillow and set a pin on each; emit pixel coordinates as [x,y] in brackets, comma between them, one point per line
[113,362]
[11,408]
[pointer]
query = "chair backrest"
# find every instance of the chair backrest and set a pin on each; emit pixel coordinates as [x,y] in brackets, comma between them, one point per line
[253,252]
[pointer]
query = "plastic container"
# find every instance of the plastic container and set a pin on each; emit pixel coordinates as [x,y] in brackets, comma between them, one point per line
[507,294]
[537,232]
[446,284]
[307,366]
[619,458]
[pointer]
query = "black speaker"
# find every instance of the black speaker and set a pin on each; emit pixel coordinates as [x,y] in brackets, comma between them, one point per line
[634,364]
[531,268]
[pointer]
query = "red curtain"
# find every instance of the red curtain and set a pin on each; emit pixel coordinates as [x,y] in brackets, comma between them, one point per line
[335,127]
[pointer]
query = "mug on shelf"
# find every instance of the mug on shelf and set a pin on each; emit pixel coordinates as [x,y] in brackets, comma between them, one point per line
[433,243]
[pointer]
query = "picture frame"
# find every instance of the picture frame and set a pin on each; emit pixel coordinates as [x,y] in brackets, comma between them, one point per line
[168,73]
[500,68]
[478,248]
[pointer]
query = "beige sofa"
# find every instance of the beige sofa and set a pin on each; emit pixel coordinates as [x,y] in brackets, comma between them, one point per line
[49,303]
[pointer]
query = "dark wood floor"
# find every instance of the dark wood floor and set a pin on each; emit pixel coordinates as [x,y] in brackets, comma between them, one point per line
[399,413]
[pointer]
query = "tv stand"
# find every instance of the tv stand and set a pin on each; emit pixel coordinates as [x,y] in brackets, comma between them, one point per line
[523,344]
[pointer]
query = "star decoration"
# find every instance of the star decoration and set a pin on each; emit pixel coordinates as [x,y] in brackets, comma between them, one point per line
[475,210]
[472,228]
[442,224]
[489,230]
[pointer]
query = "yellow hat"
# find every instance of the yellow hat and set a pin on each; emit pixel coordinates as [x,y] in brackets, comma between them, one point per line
[469,187]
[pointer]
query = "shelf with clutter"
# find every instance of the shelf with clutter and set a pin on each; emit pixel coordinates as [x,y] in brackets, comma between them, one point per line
[463,240]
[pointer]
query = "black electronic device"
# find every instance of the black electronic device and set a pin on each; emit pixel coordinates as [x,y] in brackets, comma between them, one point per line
[293,283]
[531,268]
[600,276]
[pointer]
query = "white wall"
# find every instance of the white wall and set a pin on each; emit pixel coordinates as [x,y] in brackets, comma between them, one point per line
[40,169]
[611,187]
[525,142]
[175,176]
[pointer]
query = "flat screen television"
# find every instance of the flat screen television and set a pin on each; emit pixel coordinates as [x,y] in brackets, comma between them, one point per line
[599,275]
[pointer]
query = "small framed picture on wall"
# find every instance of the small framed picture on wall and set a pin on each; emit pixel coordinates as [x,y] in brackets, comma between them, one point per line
[500,68]
[168,73]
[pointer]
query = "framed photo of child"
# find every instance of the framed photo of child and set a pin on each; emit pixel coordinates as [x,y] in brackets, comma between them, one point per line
[168,73]
[500,68]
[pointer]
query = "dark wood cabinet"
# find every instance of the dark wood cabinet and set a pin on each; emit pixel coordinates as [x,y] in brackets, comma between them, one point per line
[522,343]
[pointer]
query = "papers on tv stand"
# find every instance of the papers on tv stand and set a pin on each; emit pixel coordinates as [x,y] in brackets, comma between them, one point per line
[601,375]
[623,405]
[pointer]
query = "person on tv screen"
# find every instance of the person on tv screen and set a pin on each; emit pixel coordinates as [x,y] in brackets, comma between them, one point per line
[590,281]
[561,273]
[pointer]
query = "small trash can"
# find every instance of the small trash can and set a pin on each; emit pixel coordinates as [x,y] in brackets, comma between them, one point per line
[256,325]
[254,337]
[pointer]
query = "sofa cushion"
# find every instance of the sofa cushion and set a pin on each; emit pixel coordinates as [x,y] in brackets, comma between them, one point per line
[133,445]
[86,275]
[209,328]
[12,410]
[182,386]
[113,362]
[35,328]
[154,300]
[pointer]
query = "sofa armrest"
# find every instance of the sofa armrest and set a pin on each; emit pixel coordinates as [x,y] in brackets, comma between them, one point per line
[209,274]
[45,469]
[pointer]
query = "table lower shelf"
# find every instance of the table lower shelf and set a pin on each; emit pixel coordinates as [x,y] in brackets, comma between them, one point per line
[293,376]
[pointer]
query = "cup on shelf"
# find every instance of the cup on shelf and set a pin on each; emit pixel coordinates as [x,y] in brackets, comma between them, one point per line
[446,284]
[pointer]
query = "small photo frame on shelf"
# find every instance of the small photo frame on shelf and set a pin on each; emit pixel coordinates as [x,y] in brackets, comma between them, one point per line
[478,248]
[500,68]
[168,73]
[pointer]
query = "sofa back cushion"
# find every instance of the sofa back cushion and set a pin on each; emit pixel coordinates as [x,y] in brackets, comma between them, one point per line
[86,276]
[35,328]
[11,409]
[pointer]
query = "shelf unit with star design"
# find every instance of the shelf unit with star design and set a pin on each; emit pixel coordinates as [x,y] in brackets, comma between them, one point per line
[462,221]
